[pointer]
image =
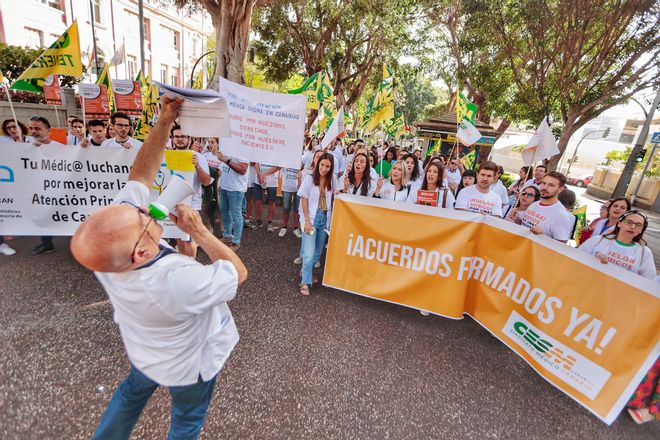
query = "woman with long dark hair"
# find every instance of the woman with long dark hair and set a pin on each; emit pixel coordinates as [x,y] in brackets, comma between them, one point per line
[412,164]
[316,192]
[625,245]
[528,195]
[358,180]
[469,178]
[615,209]
[433,183]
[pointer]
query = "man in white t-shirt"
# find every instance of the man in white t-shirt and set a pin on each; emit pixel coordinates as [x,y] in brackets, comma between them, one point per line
[39,129]
[480,198]
[202,176]
[453,173]
[233,185]
[171,310]
[339,166]
[539,172]
[548,216]
[121,123]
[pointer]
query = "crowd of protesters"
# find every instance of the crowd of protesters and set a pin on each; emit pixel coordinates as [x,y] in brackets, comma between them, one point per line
[230,193]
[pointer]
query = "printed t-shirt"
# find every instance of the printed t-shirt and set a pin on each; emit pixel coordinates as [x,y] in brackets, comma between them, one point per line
[271,179]
[632,257]
[290,180]
[471,199]
[554,220]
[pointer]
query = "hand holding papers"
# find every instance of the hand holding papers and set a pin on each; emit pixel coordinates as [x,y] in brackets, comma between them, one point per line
[204,112]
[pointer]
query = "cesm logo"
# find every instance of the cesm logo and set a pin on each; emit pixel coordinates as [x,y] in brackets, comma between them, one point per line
[562,362]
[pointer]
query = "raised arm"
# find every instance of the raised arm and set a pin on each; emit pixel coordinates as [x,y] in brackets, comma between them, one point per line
[147,162]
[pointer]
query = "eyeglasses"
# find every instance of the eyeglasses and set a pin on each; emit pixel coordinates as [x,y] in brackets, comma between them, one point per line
[633,224]
[528,194]
[145,213]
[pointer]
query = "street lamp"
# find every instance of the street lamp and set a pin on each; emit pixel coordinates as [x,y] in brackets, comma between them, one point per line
[606,132]
[192,73]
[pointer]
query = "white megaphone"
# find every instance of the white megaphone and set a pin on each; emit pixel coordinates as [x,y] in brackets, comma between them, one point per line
[175,192]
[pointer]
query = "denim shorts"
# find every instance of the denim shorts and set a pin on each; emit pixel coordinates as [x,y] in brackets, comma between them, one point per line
[287,197]
[258,193]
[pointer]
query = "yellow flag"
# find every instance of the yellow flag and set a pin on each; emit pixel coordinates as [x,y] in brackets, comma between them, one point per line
[61,58]
[104,78]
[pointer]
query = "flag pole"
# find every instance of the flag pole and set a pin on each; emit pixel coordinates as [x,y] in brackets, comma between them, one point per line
[13,112]
[82,101]
[57,116]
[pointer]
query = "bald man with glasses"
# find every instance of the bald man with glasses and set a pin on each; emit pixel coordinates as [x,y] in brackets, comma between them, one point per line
[171,311]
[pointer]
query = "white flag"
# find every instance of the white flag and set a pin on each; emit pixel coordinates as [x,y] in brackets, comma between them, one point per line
[467,133]
[335,131]
[541,146]
[118,57]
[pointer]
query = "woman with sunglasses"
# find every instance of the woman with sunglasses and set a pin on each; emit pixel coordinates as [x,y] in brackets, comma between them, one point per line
[624,246]
[528,195]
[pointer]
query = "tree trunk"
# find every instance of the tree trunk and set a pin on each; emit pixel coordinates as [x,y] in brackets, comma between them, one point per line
[232,30]
[310,118]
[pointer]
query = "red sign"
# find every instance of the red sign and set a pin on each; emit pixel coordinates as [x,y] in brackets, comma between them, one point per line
[95,101]
[128,96]
[427,198]
[52,90]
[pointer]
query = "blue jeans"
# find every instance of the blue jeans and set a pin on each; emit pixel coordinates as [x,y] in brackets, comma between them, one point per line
[231,206]
[312,246]
[189,406]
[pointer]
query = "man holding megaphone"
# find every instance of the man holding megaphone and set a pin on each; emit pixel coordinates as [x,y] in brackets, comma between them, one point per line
[171,310]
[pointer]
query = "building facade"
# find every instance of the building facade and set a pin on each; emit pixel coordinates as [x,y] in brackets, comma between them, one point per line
[173,40]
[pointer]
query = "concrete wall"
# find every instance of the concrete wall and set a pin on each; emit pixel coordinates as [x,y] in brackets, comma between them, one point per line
[25,110]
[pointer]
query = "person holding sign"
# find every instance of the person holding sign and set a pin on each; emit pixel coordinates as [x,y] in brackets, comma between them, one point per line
[171,310]
[96,130]
[396,187]
[480,197]
[624,246]
[316,193]
[433,192]
[358,180]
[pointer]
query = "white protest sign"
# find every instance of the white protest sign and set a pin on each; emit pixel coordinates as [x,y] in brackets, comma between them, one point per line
[203,113]
[52,189]
[265,127]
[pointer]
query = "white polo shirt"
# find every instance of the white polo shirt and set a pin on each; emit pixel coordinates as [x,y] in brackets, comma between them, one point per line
[112,143]
[172,313]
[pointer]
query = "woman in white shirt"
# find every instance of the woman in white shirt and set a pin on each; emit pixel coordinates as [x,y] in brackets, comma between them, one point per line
[358,180]
[624,246]
[316,192]
[444,198]
[396,186]
[616,209]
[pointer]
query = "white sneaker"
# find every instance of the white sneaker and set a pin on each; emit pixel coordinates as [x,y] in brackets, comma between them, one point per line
[298,260]
[282,232]
[297,233]
[6,250]
[424,313]
[317,265]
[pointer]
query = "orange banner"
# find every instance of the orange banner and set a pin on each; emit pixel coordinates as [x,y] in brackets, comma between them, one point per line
[128,96]
[95,101]
[52,90]
[589,329]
